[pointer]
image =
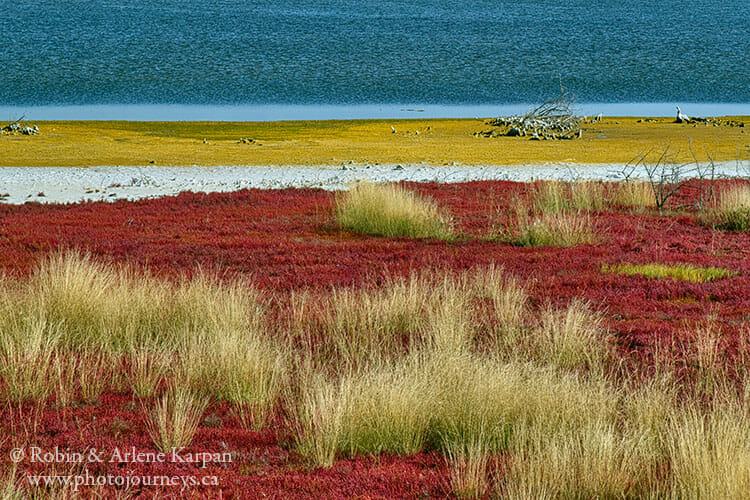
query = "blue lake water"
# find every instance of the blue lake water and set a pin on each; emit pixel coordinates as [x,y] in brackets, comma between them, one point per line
[308,58]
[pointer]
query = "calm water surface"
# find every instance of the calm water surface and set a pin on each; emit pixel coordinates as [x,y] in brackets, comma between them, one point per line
[355,52]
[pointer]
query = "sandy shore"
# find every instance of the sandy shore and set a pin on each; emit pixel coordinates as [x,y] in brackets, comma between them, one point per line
[70,184]
[337,142]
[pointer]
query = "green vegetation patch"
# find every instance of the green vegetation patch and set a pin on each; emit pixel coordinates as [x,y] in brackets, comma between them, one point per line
[684,272]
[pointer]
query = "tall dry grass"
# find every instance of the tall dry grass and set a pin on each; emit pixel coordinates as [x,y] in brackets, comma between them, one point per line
[524,401]
[551,196]
[732,210]
[391,210]
[559,229]
[561,196]
[27,352]
[10,485]
[431,398]
[572,338]
[148,368]
[636,195]
[595,461]
[589,195]
[173,421]
[78,328]
[242,367]
[505,322]
[550,402]
[469,468]
[710,454]
[368,324]
[100,306]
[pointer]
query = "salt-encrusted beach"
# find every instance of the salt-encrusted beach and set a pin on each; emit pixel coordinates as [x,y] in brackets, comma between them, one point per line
[71,184]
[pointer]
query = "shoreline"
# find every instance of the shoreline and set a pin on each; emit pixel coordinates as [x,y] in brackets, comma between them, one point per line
[312,112]
[72,185]
[377,141]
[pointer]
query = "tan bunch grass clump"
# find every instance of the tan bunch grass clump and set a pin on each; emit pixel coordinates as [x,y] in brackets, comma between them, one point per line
[79,328]
[391,210]
[638,195]
[173,421]
[559,229]
[547,400]
[559,212]
[551,196]
[469,464]
[523,400]
[239,366]
[27,351]
[732,210]
[560,196]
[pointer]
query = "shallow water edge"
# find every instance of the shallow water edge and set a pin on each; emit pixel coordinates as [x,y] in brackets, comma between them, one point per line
[277,112]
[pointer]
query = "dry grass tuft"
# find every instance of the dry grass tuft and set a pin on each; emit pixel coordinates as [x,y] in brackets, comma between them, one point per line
[10,486]
[637,195]
[368,324]
[549,229]
[390,210]
[469,468]
[463,364]
[432,399]
[561,196]
[506,321]
[551,197]
[572,338]
[593,461]
[173,421]
[81,327]
[27,352]
[732,211]
[242,367]
[94,372]
[101,307]
[589,195]
[318,421]
[710,453]
[147,369]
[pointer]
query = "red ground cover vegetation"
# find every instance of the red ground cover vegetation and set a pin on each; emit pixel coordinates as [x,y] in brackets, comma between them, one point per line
[287,239]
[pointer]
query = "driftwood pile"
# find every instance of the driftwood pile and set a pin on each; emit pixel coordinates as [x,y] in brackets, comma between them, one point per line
[15,127]
[553,119]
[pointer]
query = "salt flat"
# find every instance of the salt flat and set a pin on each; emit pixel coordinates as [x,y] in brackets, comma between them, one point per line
[72,184]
